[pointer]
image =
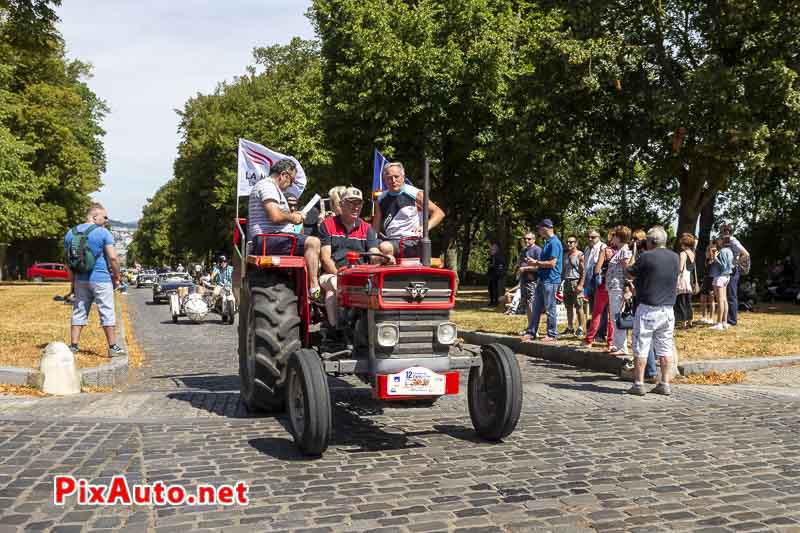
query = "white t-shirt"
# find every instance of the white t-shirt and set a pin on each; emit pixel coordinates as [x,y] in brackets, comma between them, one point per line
[591,255]
[257,221]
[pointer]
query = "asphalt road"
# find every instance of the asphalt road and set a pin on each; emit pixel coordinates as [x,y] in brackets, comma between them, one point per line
[584,457]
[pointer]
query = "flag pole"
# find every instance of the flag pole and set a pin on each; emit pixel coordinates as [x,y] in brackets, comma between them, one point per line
[426,242]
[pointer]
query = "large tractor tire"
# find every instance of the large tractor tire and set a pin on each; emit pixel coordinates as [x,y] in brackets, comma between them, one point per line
[494,393]
[269,332]
[309,402]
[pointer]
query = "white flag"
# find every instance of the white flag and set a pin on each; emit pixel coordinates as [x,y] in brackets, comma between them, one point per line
[254,164]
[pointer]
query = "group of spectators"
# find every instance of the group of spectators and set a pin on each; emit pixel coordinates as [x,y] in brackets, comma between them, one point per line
[632,281]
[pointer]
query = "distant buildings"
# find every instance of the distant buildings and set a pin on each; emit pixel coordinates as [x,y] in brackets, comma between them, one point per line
[123,235]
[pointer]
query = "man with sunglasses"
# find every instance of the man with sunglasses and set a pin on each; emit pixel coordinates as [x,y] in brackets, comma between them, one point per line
[269,212]
[340,234]
[590,256]
[97,284]
[398,213]
[527,273]
[572,276]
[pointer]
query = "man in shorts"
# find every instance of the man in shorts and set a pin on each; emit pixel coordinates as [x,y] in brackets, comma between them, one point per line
[270,213]
[572,276]
[340,234]
[655,274]
[96,286]
[398,214]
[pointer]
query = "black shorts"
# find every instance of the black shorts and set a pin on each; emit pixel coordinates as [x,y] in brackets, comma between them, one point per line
[281,245]
[708,285]
[411,247]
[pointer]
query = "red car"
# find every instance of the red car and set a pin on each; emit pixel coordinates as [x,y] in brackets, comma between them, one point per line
[48,272]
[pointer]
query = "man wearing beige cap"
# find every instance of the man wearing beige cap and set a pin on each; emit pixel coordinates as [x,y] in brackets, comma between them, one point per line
[345,232]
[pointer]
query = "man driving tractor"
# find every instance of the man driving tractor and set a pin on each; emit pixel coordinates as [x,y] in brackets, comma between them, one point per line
[345,232]
[269,213]
[398,214]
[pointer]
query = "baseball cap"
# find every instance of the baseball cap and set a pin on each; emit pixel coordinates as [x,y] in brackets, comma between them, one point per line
[546,223]
[352,193]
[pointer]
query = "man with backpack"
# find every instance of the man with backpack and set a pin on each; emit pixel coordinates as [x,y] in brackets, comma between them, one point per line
[94,269]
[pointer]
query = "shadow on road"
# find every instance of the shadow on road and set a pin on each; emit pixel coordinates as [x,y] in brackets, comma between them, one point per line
[204,381]
[587,387]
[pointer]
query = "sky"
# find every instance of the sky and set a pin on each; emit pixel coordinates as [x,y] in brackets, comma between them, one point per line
[148,58]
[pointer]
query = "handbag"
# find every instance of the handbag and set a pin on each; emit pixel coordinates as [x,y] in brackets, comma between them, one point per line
[625,317]
[695,284]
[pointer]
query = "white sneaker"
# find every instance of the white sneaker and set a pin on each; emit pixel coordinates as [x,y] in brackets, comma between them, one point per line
[726,325]
[717,327]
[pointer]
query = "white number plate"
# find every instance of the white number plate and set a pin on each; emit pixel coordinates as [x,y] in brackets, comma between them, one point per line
[416,381]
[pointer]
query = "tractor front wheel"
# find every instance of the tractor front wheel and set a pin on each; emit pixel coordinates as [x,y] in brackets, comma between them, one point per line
[309,402]
[494,393]
[269,332]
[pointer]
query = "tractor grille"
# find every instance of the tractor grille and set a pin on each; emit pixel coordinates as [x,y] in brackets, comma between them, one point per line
[417,333]
[400,289]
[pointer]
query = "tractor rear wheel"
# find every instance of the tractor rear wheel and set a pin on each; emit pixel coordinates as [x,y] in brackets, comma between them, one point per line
[309,402]
[269,332]
[494,393]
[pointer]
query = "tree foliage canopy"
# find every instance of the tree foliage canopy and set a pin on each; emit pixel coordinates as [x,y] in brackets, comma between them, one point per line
[51,153]
[641,112]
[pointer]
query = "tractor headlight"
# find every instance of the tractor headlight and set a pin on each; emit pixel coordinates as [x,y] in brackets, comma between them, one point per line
[158,288]
[446,333]
[388,335]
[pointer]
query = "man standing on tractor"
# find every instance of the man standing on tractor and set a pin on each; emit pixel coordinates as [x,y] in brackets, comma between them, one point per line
[345,232]
[398,214]
[269,213]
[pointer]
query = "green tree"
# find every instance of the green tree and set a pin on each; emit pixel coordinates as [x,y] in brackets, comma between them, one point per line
[51,153]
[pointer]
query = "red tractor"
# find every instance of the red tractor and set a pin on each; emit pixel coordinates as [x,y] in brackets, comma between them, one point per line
[396,336]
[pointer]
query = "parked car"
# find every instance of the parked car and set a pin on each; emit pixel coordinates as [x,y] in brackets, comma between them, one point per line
[169,283]
[48,272]
[147,278]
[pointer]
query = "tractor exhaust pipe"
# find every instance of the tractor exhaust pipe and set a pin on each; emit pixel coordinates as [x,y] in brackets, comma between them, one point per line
[425,252]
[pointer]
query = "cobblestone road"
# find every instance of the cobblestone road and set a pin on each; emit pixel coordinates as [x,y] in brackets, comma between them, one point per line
[585,457]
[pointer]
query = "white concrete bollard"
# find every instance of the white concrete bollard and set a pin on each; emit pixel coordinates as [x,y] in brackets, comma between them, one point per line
[58,366]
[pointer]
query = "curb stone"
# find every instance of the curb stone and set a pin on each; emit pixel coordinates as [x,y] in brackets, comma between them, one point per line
[571,355]
[586,358]
[728,365]
[106,375]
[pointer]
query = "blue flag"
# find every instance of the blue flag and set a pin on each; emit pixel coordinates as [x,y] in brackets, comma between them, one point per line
[377,171]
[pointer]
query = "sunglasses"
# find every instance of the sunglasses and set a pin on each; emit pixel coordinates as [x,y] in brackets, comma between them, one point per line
[572,242]
[594,237]
[528,238]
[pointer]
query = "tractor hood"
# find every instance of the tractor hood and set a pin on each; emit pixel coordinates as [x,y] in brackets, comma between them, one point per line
[401,287]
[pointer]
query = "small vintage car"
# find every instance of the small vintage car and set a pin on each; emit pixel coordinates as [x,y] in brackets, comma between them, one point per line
[169,283]
[146,278]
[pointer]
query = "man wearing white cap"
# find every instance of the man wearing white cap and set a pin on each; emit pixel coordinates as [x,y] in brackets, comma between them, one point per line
[345,232]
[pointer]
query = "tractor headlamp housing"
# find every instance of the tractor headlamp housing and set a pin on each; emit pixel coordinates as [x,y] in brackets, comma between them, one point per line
[387,335]
[446,333]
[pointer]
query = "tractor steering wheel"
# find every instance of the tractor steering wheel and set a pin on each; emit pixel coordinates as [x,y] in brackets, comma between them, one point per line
[388,258]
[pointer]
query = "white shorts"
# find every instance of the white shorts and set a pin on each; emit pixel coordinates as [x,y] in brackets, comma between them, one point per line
[328,282]
[653,326]
[101,294]
[721,281]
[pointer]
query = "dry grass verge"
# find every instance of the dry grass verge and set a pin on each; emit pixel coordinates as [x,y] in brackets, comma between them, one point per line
[32,320]
[772,330]
[713,378]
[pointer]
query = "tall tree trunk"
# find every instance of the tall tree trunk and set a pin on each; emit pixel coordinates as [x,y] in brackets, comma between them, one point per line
[466,249]
[704,234]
